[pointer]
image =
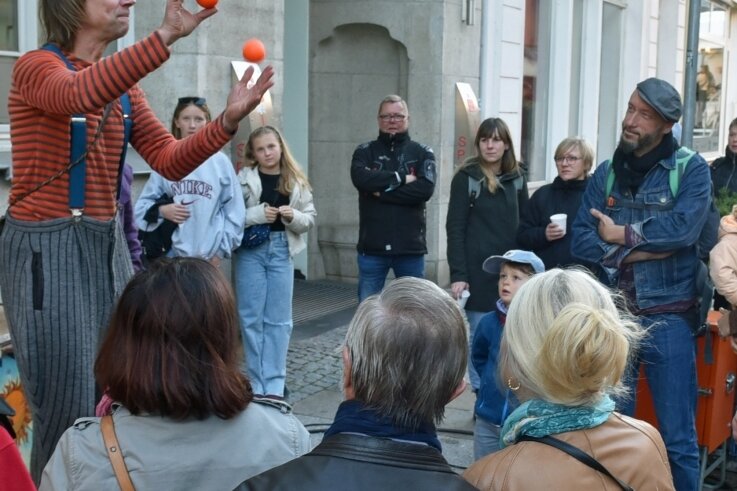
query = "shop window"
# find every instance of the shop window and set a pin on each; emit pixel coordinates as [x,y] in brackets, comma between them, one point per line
[710,77]
[9,42]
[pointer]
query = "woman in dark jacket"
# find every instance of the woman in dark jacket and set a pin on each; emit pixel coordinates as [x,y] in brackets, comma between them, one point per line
[537,233]
[724,169]
[724,176]
[486,196]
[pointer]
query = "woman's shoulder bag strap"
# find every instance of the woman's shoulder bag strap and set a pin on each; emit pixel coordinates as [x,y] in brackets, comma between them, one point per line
[115,453]
[577,454]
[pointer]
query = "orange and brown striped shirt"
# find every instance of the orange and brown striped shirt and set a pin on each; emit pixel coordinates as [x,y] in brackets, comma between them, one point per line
[44,94]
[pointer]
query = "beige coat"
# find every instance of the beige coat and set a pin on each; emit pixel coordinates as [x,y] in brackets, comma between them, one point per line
[723,260]
[630,449]
[300,200]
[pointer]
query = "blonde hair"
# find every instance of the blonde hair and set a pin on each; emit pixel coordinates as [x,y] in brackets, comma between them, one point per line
[586,151]
[565,340]
[291,172]
[391,99]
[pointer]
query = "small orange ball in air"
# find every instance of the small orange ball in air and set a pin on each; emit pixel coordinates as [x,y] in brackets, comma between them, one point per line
[253,50]
[207,4]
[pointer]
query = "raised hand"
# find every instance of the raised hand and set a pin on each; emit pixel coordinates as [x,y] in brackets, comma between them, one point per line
[244,99]
[179,22]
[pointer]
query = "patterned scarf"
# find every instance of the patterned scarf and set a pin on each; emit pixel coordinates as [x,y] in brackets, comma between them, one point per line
[540,418]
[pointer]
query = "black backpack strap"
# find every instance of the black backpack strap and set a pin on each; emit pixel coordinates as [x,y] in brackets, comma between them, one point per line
[577,454]
[474,189]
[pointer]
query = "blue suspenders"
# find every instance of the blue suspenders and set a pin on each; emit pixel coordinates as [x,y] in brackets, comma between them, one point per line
[78,172]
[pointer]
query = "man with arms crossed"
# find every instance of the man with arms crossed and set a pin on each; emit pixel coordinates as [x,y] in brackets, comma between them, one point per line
[643,237]
[394,176]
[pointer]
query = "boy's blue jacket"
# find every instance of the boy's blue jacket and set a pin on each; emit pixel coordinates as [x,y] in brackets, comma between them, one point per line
[491,399]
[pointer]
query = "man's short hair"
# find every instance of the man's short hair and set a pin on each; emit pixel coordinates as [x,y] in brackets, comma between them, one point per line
[390,99]
[408,348]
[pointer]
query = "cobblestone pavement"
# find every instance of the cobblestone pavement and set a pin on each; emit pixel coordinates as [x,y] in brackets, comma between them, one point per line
[314,370]
[314,364]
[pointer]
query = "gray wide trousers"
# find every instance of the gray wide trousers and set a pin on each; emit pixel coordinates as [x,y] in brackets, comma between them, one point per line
[59,280]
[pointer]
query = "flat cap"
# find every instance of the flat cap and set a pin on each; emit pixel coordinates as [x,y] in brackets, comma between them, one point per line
[661,96]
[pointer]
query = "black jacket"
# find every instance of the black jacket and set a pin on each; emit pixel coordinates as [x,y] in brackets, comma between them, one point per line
[392,213]
[487,228]
[724,172]
[558,197]
[356,462]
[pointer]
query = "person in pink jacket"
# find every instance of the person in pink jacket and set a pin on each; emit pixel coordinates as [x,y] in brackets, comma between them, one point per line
[723,258]
[723,271]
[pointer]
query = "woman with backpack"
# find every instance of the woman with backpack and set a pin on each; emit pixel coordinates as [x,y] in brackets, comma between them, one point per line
[486,196]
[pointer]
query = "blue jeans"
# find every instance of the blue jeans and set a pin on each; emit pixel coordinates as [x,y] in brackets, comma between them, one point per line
[485,438]
[473,318]
[264,280]
[669,357]
[372,271]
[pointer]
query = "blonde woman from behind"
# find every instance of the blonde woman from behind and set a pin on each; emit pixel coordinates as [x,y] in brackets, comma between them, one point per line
[564,351]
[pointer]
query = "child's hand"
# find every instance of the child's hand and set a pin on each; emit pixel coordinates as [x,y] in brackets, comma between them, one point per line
[457,288]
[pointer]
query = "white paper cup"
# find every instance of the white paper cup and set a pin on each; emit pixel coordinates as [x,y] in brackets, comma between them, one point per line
[463,298]
[560,220]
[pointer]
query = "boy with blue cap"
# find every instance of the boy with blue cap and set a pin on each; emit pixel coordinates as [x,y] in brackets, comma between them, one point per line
[494,403]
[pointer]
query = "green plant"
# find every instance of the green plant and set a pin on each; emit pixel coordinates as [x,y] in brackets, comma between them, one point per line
[725,200]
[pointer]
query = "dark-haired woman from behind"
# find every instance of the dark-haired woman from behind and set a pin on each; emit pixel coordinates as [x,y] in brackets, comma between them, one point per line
[184,413]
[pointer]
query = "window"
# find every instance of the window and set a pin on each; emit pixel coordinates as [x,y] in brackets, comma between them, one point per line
[9,26]
[530,97]
[18,34]
[709,78]
[9,47]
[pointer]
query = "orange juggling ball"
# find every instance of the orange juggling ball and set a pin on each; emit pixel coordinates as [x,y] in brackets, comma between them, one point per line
[253,50]
[207,4]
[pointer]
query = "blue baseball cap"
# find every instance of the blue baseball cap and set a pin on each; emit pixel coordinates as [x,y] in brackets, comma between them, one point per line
[493,264]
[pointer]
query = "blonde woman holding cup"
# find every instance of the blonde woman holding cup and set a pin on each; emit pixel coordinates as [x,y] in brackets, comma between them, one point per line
[544,227]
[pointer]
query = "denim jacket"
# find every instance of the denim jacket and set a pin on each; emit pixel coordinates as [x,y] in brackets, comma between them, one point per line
[661,223]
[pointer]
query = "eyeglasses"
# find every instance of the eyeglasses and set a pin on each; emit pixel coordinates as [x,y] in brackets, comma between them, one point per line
[392,117]
[197,101]
[568,159]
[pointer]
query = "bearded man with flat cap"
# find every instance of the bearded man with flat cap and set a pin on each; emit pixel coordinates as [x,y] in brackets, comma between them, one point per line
[640,222]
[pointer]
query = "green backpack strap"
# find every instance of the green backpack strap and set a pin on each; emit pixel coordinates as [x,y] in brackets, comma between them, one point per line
[609,180]
[683,156]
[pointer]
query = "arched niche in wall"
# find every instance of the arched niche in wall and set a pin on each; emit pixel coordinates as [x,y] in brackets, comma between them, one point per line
[351,70]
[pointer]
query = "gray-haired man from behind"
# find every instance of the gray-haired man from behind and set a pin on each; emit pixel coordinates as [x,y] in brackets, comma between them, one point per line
[404,359]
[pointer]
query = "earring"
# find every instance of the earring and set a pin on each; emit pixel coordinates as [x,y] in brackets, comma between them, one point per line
[511,384]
